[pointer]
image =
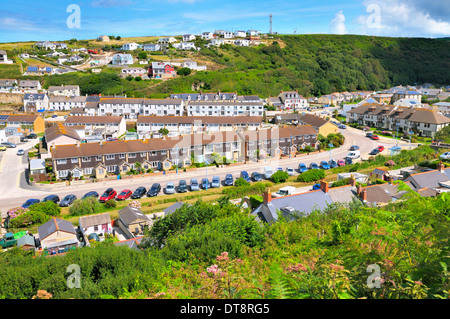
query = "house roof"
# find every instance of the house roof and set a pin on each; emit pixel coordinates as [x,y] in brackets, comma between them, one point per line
[53,225]
[94,220]
[58,130]
[28,83]
[67,99]
[428,179]
[63,87]
[5,82]
[26,240]
[131,243]
[22,117]
[169,210]
[37,163]
[130,214]
[313,120]
[201,119]
[93,119]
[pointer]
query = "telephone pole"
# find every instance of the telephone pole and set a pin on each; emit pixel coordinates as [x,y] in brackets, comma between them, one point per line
[270,23]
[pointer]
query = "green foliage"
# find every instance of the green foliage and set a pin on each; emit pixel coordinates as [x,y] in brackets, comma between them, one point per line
[86,206]
[28,219]
[443,134]
[142,55]
[279,177]
[48,208]
[184,71]
[311,175]
[252,189]
[255,200]
[163,131]
[110,203]
[239,182]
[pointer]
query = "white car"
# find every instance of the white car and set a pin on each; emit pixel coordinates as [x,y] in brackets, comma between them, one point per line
[20,152]
[445,155]
[290,171]
[170,188]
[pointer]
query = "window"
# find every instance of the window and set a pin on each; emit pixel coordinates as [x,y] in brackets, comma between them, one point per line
[86,159]
[110,157]
[142,154]
[63,173]
[98,158]
[95,227]
[130,155]
[74,160]
[111,168]
[87,171]
[61,161]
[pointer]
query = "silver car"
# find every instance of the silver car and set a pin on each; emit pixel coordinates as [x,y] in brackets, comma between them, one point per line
[20,152]
[170,188]
[290,171]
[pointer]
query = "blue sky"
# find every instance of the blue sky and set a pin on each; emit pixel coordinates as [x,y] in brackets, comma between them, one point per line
[31,20]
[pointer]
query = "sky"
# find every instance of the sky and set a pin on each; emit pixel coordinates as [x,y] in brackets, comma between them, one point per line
[39,20]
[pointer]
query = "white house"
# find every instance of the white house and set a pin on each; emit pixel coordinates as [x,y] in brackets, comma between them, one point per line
[134,71]
[99,224]
[188,37]
[4,58]
[151,47]
[122,59]
[7,85]
[216,42]
[207,35]
[64,90]
[130,46]
[221,108]
[29,85]
[37,102]
[192,65]
[66,103]
[240,34]
[242,42]
[167,40]
[185,46]
[227,34]
[253,33]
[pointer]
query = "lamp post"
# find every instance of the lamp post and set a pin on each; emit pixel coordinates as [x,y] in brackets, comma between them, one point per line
[410,134]
[206,170]
[176,150]
[331,146]
[396,137]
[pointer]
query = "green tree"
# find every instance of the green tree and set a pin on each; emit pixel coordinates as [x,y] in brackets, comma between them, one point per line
[85,206]
[279,177]
[184,71]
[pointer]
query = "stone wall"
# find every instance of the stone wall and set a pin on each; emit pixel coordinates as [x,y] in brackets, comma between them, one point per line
[11,98]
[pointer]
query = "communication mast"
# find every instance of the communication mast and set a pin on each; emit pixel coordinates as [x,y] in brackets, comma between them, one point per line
[270,23]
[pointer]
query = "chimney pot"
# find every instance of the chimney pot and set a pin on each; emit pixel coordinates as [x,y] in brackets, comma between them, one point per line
[364,195]
[267,197]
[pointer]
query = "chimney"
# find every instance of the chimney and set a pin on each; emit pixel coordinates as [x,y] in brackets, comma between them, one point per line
[358,190]
[267,197]
[363,195]
[352,180]
[440,167]
[324,186]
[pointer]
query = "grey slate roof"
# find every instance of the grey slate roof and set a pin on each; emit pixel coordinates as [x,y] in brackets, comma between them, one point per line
[169,210]
[26,240]
[54,225]
[131,243]
[92,220]
[429,179]
[129,214]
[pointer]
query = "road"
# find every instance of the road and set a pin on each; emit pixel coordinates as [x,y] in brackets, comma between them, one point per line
[14,190]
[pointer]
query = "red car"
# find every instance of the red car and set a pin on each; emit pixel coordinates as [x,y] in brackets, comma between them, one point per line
[125,194]
[107,195]
[341,162]
[375,137]
[381,148]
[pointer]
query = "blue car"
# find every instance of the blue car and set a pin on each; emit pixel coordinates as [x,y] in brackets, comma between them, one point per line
[205,183]
[333,163]
[324,165]
[90,194]
[30,202]
[228,180]
[194,185]
[313,166]
[316,186]
[302,168]
[215,182]
[245,176]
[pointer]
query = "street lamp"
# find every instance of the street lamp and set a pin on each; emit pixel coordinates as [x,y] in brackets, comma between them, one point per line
[396,137]
[331,146]
[410,134]
[206,170]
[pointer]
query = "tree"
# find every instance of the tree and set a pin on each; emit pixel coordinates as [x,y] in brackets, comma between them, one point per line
[86,206]
[142,55]
[279,177]
[184,71]
[163,131]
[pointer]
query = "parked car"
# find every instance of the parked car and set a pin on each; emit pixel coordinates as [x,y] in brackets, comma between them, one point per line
[110,193]
[67,200]
[8,145]
[445,156]
[154,190]
[215,182]
[341,162]
[124,195]
[245,176]
[256,177]
[205,183]
[381,148]
[302,168]
[182,186]
[279,169]
[333,163]
[324,165]
[53,198]
[375,137]
[316,186]
[268,171]
[139,192]
[342,126]
[354,147]
[30,202]
[290,171]
[353,154]
[90,194]
[194,185]
[170,188]
[369,134]
[348,161]
[23,139]
[54,116]
[375,151]
[20,152]
[313,166]
[228,180]
[2,148]
[31,136]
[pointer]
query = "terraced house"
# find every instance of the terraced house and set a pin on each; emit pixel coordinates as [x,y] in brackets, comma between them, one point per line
[221,108]
[102,126]
[119,157]
[131,108]
[422,122]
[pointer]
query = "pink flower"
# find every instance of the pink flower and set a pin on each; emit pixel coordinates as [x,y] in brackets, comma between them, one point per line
[296,267]
[214,269]
[418,283]
[222,257]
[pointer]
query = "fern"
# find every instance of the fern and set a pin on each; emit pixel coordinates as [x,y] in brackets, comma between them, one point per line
[279,285]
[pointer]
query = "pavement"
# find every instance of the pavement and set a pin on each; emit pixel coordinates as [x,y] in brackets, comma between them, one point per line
[14,189]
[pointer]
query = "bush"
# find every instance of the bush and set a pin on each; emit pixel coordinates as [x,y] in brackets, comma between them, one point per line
[255,201]
[110,203]
[29,218]
[311,176]
[279,177]
[48,208]
[241,182]
[253,189]
[86,206]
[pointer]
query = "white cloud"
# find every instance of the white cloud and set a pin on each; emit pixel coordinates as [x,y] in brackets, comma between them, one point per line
[337,25]
[405,18]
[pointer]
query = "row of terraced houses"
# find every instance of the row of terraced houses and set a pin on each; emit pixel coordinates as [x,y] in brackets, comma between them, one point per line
[119,157]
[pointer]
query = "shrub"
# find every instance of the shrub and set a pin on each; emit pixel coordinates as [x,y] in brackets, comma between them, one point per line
[255,201]
[311,176]
[86,206]
[342,182]
[29,218]
[279,177]
[49,208]
[110,203]
[253,189]
[241,182]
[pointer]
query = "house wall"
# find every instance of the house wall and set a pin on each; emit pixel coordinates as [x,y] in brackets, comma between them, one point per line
[56,237]
[62,140]
[39,125]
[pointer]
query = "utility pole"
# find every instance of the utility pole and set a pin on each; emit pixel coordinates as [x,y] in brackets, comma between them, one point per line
[270,22]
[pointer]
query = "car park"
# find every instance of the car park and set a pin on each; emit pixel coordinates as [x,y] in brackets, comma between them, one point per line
[354,147]
[139,192]
[205,183]
[182,186]
[170,188]
[313,166]
[341,162]
[256,177]
[215,182]
[8,145]
[445,156]
[67,200]
[245,176]
[324,165]
[381,148]
[20,152]
[30,202]
[333,164]
[290,171]
[154,190]
[229,180]
[194,186]
[124,195]
[375,137]
[90,194]
[110,193]
[302,167]
[268,172]
[52,198]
